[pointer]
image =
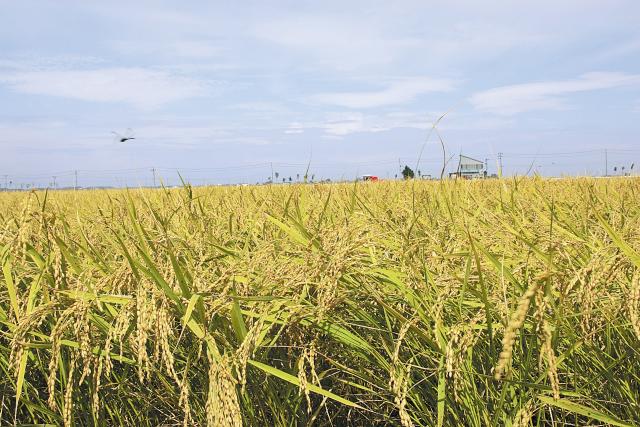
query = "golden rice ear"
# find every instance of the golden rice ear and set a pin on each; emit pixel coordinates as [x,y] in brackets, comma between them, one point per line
[524,415]
[515,323]
[634,303]
[222,406]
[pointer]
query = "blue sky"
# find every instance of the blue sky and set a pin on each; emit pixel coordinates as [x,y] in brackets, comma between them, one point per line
[221,90]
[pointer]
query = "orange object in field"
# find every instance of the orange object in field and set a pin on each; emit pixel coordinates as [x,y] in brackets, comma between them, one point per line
[369,178]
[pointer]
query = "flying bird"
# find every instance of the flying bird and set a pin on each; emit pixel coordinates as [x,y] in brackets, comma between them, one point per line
[126,136]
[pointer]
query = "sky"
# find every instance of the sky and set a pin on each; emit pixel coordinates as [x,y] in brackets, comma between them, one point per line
[241,91]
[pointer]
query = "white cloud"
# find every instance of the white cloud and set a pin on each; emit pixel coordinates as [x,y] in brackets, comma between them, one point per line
[622,49]
[22,133]
[294,128]
[385,36]
[196,49]
[349,125]
[550,95]
[340,124]
[140,87]
[399,92]
[334,41]
[178,134]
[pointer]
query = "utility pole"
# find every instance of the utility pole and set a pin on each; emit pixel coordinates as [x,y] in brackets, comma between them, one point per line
[606,163]
[153,171]
[54,182]
[75,181]
[500,164]
[271,172]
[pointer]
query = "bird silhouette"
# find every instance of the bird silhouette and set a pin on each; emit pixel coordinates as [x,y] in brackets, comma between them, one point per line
[124,138]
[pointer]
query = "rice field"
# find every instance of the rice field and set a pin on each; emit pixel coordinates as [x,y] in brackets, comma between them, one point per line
[511,302]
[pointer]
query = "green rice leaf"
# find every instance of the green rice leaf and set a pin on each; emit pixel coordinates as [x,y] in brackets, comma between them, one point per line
[294,380]
[577,408]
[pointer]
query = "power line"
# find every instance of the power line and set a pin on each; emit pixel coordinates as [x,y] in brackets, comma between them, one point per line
[572,153]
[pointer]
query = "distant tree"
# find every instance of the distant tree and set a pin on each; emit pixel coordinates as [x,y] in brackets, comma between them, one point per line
[297,177]
[396,176]
[314,177]
[407,172]
[277,175]
[290,179]
[419,174]
[284,179]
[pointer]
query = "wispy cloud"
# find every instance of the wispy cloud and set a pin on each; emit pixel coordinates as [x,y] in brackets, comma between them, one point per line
[621,49]
[550,95]
[294,128]
[341,124]
[398,92]
[140,87]
[351,123]
[333,41]
[194,49]
[383,36]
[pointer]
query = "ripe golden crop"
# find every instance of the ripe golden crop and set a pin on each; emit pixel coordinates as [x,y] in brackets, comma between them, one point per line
[497,302]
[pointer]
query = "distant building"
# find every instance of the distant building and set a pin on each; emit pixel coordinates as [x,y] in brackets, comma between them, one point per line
[469,168]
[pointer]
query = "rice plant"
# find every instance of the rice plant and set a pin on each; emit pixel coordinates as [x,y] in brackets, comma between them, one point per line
[508,302]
